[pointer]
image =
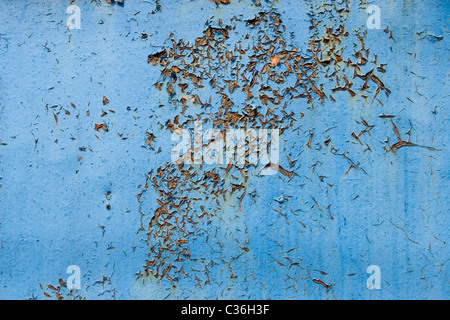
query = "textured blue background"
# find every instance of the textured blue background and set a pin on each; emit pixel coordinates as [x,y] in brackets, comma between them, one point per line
[51,203]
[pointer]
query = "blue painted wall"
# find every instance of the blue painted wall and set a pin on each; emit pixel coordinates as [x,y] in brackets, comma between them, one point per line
[57,177]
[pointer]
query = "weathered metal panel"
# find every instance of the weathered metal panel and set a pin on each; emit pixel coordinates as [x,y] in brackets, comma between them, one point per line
[87,178]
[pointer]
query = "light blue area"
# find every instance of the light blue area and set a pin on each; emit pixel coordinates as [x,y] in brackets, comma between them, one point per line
[394,215]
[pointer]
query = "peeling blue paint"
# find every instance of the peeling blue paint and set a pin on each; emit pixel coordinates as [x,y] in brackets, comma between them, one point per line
[57,178]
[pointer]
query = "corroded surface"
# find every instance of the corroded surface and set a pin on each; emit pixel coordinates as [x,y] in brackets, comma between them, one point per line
[87,178]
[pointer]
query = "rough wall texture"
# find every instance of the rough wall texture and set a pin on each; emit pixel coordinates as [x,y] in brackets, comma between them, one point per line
[86,176]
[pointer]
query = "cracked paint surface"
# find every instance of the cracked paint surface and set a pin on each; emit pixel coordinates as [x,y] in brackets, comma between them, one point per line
[85,157]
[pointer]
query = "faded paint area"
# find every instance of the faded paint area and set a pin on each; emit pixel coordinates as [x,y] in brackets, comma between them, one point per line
[86,176]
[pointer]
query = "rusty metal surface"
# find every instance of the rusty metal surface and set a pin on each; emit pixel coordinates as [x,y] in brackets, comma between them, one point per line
[87,179]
